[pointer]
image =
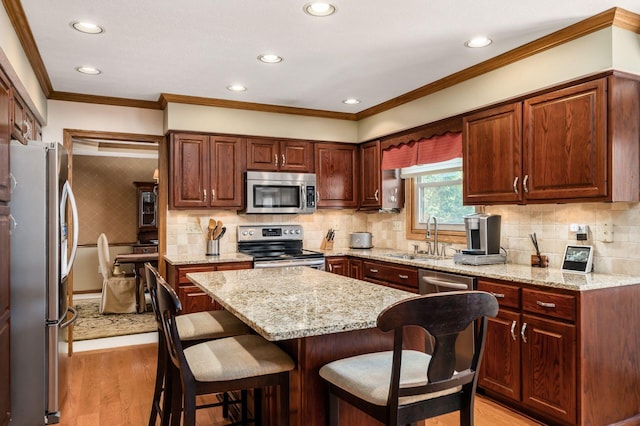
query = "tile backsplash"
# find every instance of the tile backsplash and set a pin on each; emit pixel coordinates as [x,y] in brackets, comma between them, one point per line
[549,221]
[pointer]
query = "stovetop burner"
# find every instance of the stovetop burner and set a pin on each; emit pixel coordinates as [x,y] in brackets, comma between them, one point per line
[274,242]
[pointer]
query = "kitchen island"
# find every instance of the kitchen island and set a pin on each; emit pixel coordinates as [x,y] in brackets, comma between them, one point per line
[315,316]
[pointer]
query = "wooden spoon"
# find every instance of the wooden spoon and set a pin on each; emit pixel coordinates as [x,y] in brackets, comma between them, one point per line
[218,230]
[212,227]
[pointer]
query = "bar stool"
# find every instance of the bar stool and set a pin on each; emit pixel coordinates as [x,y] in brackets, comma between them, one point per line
[233,363]
[193,328]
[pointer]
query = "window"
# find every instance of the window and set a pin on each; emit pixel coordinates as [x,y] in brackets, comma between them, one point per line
[436,190]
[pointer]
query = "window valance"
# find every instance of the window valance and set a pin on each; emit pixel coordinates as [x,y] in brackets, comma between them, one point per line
[424,151]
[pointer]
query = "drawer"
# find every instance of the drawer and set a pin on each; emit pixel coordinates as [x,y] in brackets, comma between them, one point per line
[182,272]
[551,304]
[507,295]
[394,274]
[232,266]
[144,249]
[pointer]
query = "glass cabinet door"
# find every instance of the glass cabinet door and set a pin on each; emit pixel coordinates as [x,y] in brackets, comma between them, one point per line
[147,208]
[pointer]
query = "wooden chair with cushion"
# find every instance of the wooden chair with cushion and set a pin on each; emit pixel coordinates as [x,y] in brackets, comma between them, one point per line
[118,292]
[193,328]
[405,386]
[236,363]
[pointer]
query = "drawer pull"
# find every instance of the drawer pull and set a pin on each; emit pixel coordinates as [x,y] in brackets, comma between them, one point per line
[546,305]
[404,277]
[513,330]
[498,296]
[522,331]
[375,271]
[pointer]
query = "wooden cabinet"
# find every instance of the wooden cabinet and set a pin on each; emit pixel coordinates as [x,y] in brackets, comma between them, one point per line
[391,275]
[336,174]
[337,265]
[531,348]
[5,136]
[206,171]
[566,145]
[147,197]
[379,189]
[279,155]
[5,317]
[192,298]
[355,268]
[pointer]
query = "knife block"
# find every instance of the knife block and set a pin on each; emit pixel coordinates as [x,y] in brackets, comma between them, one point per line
[541,262]
[326,244]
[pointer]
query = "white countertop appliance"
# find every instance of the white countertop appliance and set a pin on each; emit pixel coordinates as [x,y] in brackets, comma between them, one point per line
[40,199]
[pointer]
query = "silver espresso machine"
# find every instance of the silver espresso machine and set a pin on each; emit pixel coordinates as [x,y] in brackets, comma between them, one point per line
[483,240]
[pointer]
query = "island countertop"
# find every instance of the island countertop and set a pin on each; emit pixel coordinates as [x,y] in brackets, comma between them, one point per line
[295,302]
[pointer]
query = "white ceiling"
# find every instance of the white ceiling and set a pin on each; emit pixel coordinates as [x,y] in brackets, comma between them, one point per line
[373,50]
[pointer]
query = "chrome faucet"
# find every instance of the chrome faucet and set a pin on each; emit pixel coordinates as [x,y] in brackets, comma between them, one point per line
[432,249]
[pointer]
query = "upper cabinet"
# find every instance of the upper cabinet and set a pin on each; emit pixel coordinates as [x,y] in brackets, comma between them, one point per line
[147,193]
[336,174]
[279,155]
[206,171]
[574,144]
[5,136]
[379,189]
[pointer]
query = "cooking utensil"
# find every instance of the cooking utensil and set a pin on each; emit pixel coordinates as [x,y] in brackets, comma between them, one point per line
[224,229]
[218,231]
[213,224]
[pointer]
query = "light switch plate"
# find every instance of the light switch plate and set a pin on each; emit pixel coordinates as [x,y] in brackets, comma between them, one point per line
[397,225]
[606,233]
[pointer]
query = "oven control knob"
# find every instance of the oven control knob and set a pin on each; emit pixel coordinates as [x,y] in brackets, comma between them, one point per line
[285,232]
[297,231]
[244,233]
[251,233]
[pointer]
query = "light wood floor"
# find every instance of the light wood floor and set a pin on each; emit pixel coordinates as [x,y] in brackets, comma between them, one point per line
[114,387]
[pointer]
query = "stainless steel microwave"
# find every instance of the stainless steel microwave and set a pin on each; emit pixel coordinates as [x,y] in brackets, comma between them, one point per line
[280,193]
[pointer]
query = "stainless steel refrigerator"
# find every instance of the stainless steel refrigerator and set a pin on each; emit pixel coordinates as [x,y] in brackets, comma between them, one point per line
[41,198]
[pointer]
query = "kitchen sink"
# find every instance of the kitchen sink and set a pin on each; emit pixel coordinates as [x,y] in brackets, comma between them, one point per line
[408,256]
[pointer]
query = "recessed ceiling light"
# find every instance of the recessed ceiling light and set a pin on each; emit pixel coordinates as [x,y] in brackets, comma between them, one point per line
[236,88]
[479,42]
[87,27]
[351,101]
[270,58]
[319,9]
[89,70]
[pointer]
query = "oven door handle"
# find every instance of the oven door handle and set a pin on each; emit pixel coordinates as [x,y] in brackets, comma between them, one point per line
[284,263]
[447,284]
[303,197]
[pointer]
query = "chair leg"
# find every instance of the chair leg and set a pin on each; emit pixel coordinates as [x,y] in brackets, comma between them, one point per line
[160,379]
[466,411]
[257,406]
[177,396]
[334,409]
[283,390]
[225,405]
[244,412]
[167,394]
[189,405]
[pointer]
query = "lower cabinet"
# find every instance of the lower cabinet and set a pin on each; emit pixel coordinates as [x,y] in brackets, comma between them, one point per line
[531,349]
[390,275]
[337,265]
[355,268]
[192,298]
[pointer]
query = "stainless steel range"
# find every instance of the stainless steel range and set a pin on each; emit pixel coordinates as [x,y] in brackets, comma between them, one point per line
[275,246]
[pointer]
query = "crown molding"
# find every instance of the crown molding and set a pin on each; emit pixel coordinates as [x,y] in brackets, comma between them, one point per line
[613,17]
[104,100]
[23,30]
[250,106]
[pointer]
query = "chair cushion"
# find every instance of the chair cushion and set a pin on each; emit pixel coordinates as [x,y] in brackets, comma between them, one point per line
[368,376]
[237,357]
[209,325]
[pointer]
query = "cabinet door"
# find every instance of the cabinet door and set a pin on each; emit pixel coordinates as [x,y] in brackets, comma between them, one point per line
[491,152]
[5,316]
[19,118]
[370,177]
[194,300]
[189,170]
[500,367]
[565,153]
[5,136]
[355,268]
[336,174]
[338,265]
[227,158]
[296,156]
[262,154]
[549,367]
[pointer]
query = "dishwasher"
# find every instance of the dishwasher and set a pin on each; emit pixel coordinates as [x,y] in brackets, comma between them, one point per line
[436,282]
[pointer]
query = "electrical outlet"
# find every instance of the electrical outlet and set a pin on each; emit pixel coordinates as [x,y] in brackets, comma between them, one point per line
[193,228]
[606,233]
[396,225]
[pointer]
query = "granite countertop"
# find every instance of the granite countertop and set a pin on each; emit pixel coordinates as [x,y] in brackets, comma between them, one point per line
[294,302]
[190,259]
[546,277]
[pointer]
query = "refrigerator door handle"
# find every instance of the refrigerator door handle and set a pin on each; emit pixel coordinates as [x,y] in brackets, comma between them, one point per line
[71,320]
[68,193]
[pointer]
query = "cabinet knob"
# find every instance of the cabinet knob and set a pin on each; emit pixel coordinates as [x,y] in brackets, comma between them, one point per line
[213,195]
[283,160]
[376,195]
[546,304]
[513,330]
[375,271]
[498,295]
[204,198]
[515,185]
[522,331]
[524,183]
[275,160]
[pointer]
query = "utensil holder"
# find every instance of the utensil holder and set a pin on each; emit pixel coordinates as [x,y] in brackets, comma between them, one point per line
[326,244]
[539,262]
[213,247]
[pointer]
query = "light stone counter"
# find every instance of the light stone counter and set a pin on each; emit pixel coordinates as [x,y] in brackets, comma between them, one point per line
[294,302]
[194,260]
[547,277]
